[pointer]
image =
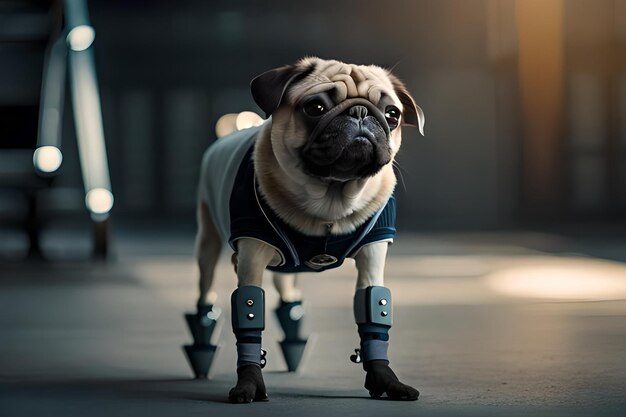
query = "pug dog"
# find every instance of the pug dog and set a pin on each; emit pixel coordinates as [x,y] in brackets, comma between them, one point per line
[310,187]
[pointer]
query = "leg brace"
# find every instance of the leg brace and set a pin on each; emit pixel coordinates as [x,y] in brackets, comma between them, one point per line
[290,316]
[248,320]
[372,313]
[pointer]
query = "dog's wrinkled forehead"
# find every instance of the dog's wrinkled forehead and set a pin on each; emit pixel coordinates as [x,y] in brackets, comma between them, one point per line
[344,80]
[312,75]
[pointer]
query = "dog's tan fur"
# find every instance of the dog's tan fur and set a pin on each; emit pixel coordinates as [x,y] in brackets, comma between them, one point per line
[307,203]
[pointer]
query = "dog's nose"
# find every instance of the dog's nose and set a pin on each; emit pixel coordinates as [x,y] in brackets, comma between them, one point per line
[358,112]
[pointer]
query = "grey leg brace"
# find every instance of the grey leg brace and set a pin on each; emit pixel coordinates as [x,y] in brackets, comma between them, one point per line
[248,320]
[372,313]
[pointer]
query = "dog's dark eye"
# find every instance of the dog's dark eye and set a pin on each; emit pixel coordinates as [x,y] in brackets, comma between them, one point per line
[314,108]
[392,114]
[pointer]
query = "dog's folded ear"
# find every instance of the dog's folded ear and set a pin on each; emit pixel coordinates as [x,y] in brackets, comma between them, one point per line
[413,115]
[269,88]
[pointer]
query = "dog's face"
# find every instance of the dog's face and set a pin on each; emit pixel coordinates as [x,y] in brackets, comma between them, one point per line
[333,121]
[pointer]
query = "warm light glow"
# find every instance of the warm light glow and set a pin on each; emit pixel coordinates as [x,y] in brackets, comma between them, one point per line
[47,158]
[226,125]
[99,200]
[232,122]
[247,119]
[560,279]
[81,37]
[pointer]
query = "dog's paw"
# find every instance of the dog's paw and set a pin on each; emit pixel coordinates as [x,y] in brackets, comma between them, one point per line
[250,385]
[381,379]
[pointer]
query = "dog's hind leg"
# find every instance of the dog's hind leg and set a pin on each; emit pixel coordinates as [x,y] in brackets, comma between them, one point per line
[208,249]
[290,313]
[373,312]
[286,286]
[203,322]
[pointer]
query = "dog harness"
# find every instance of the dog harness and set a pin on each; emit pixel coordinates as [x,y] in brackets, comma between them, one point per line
[249,216]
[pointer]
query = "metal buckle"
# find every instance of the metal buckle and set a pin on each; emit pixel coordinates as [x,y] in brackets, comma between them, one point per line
[320,261]
[263,358]
[356,358]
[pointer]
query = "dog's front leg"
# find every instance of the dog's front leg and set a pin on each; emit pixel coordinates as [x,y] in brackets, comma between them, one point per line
[372,312]
[248,319]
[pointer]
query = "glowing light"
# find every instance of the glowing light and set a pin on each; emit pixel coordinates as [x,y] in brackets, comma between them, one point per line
[89,132]
[53,95]
[232,122]
[247,119]
[99,200]
[81,37]
[226,125]
[47,158]
[560,279]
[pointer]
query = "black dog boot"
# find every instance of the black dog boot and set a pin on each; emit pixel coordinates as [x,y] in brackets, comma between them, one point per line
[250,385]
[290,316]
[380,379]
[372,311]
[201,324]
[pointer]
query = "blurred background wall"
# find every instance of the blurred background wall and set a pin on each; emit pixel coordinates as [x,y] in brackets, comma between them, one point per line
[525,100]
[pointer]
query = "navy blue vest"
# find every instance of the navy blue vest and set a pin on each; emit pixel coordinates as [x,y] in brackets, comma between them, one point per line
[251,217]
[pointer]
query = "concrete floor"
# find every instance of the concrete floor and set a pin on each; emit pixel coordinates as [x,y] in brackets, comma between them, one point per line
[485,325]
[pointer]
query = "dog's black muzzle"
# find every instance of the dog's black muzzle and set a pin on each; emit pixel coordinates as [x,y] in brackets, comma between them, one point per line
[350,141]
